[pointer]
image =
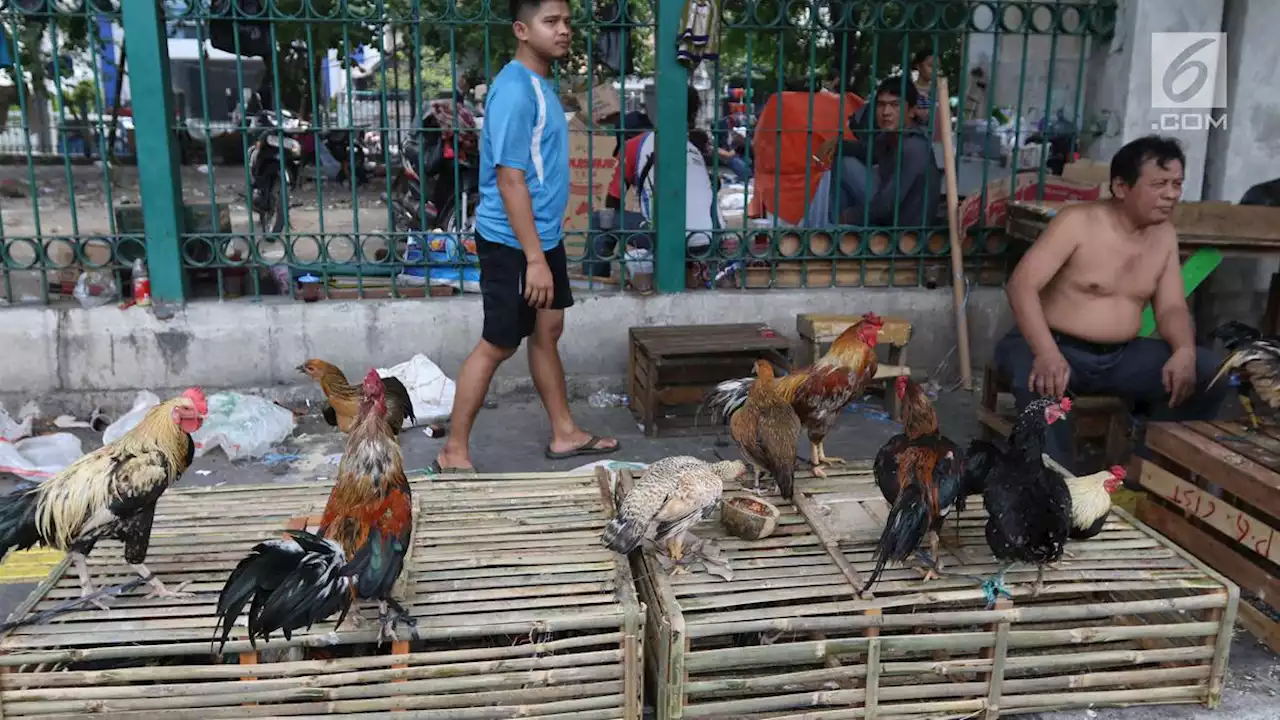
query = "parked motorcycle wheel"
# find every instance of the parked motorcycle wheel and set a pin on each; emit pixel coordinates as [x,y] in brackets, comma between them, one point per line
[271,217]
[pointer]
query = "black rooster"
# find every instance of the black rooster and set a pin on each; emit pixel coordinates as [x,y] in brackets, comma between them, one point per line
[1028,505]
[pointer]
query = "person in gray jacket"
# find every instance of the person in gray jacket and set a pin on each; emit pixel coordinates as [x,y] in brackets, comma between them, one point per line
[886,176]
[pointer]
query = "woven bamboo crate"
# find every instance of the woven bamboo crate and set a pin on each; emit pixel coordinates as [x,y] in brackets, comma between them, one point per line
[1129,618]
[520,611]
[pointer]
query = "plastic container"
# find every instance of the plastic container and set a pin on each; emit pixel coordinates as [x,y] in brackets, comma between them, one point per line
[141,284]
[309,288]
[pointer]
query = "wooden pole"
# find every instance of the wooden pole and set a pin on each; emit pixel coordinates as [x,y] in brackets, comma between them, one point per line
[953,225]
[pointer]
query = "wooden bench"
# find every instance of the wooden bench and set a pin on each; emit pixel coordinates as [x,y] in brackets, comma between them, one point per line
[1215,490]
[818,331]
[1095,418]
[671,369]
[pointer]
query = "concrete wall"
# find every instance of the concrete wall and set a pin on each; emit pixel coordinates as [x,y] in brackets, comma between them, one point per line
[76,358]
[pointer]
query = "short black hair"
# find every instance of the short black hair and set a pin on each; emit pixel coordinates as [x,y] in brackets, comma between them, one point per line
[695,104]
[1127,163]
[920,56]
[894,85]
[520,9]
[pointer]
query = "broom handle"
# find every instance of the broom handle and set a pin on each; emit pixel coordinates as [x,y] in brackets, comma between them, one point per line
[953,226]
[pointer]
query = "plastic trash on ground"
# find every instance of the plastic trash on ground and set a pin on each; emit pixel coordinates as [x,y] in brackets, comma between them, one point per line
[95,288]
[429,388]
[14,430]
[144,401]
[244,426]
[40,458]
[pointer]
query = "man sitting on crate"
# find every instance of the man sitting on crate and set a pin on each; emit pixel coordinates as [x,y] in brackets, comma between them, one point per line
[1079,292]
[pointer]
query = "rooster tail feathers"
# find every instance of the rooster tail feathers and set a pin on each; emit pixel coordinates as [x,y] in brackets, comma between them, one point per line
[288,583]
[1235,333]
[903,530]
[396,390]
[377,563]
[18,521]
[785,476]
[727,398]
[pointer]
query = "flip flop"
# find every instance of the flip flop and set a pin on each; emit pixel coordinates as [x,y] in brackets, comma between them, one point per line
[437,470]
[590,447]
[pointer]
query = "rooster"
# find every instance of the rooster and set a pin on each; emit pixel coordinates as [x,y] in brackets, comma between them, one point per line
[818,394]
[1091,501]
[344,400]
[1029,512]
[1255,361]
[676,493]
[766,428]
[109,493]
[919,471]
[358,552]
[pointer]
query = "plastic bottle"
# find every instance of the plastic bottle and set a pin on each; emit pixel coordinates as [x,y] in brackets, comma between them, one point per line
[141,284]
[606,399]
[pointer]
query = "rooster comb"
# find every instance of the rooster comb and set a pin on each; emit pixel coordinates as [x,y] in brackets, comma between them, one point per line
[373,379]
[1065,404]
[197,398]
[873,319]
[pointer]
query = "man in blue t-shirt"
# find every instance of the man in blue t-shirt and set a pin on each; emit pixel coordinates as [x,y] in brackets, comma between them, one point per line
[524,275]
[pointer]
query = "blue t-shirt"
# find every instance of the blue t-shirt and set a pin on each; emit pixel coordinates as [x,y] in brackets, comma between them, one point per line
[524,129]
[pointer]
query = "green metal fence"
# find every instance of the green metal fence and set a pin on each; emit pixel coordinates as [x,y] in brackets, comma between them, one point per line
[366,113]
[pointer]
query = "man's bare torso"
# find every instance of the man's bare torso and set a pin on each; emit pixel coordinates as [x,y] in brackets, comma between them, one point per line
[1100,292]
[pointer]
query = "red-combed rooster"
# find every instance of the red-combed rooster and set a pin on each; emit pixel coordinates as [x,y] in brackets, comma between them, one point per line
[1029,507]
[819,393]
[109,493]
[920,473]
[358,552]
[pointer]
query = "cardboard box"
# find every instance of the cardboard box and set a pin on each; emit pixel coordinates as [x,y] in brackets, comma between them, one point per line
[602,100]
[1056,189]
[591,167]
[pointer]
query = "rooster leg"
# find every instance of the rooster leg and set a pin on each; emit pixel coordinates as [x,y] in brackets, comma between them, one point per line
[158,590]
[86,585]
[815,454]
[1035,589]
[389,612]
[994,587]
[933,563]
[675,549]
[1247,404]
[827,459]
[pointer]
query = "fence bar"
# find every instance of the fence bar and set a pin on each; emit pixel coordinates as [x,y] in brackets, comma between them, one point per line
[672,129]
[159,176]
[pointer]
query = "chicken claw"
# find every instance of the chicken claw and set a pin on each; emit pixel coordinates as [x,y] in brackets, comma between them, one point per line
[818,471]
[387,620]
[158,590]
[100,601]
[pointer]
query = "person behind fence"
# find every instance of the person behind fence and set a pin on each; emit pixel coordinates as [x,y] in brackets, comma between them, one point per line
[731,145]
[883,177]
[1078,296]
[922,67]
[524,276]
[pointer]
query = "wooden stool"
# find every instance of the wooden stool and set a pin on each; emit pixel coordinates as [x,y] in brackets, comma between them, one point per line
[817,332]
[1098,418]
[671,369]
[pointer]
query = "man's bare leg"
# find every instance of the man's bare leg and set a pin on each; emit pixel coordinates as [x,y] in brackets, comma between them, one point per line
[548,377]
[473,384]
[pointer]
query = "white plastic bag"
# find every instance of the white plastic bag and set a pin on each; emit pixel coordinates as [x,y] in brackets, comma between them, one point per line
[141,404]
[40,458]
[14,430]
[95,288]
[429,388]
[244,426]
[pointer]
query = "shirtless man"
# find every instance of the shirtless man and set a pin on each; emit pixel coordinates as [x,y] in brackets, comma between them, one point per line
[1079,292]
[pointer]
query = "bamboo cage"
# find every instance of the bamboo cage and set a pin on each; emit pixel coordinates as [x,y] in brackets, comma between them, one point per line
[520,612]
[1128,618]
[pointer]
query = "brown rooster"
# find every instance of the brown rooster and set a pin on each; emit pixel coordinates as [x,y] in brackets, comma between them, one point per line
[766,429]
[358,552]
[920,472]
[109,493]
[344,399]
[818,394]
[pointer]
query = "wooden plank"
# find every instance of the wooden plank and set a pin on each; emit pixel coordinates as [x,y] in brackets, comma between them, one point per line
[1236,439]
[1213,551]
[1245,478]
[700,339]
[1262,627]
[1241,527]
[824,328]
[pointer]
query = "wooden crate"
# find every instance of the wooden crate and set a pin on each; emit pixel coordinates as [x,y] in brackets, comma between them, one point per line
[1235,526]
[1128,619]
[670,369]
[519,609]
[1099,419]
[818,331]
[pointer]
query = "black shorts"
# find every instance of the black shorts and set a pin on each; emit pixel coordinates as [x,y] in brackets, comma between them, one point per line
[508,318]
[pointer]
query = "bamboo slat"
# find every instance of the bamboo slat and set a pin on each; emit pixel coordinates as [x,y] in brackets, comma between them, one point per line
[519,609]
[1125,618]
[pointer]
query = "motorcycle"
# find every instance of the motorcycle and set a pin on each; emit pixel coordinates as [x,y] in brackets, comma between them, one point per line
[274,161]
[350,148]
[449,180]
